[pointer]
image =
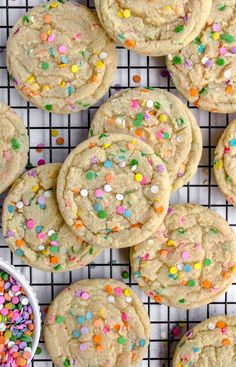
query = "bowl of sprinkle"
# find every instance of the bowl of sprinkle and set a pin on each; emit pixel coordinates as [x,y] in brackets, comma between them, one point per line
[20,318]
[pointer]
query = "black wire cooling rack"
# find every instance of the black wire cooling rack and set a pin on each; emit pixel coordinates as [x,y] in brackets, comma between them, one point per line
[167,324]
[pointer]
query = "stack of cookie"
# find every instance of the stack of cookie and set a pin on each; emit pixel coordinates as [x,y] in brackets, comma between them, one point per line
[113,190]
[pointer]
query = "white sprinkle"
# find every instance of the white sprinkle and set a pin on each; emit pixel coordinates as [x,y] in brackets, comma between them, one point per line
[27,349]
[227,74]
[1,306]
[211,326]
[24,301]
[128,299]
[150,242]
[84,193]
[120,121]
[134,167]
[51,232]
[122,164]
[110,299]
[179,139]
[11,293]
[19,204]
[2,326]
[47,194]
[10,344]
[107,188]
[154,189]
[180,266]
[41,248]
[149,103]
[103,55]
[119,197]
[170,57]
[204,60]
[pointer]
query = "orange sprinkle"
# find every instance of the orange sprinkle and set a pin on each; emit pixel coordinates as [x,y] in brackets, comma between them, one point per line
[138,132]
[19,243]
[26,91]
[126,323]
[115,229]
[163,252]
[220,324]
[111,121]
[47,19]
[226,275]
[44,36]
[183,282]
[109,178]
[97,323]
[229,89]
[159,210]
[206,284]
[94,78]
[60,140]
[2,340]
[116,327]
[27,355]
[226,342]
[75,190]
[78,224]
[136,225]
[193,92]
[1,283]
[99,348]
[108,288]
[158,299]
[130,43]
[92,145]
[54,260]
[137,78]
[97,339]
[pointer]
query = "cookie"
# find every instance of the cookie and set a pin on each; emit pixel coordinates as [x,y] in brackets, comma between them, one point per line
[34,228]
[161,120]
[98,322]
[225,163]
[154,27]
[60,58]
[205,70]
[210,343]
[113,190]
[14,146]
[189,261]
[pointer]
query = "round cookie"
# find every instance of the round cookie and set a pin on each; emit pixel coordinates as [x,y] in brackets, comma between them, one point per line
[98,322]
[205,70]
[225,163]
[189,261]
[14,146]
[161,120]
[153,28]
[60,58]
[34,228]
[113,190]
[210,343]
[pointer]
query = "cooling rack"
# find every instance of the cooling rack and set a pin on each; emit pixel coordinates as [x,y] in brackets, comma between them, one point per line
[51,139]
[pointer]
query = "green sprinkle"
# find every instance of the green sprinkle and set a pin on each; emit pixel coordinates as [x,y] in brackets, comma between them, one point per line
[25,19]
[102,136]
[53,237]
[222,7]
[177,60]
[191,283]
[57,267]
[25,338]
[90,132]
[134,162]
[166,135]
[102,214]
[38,351]
[138,121]
[91,251]
[207,262]
[182,300]
[125,274]
[121,340]
[5,276]
[59,319]
[66,363]
[220,61]
[45,65]
[203,91]
[48,107]
[54,249]
[179,28]
[90,175]
[227,38]
[197,41]
[157,105]
[15,144]
[11,77]
[181,230]
[180,121]
[213,230]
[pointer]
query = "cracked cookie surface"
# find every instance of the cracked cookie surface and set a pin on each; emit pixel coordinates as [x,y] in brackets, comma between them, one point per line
[14,146]
[113,190]
[190,260]
[205,70]
[210,343]
[34,228]
[159,119]
[153,27]
[99,322]
[60,58]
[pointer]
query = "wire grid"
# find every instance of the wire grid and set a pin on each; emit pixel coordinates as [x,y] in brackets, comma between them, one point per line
[202,189]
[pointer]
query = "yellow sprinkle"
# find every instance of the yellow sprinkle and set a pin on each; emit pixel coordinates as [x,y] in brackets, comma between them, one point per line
[35,86]
[127,13]
[127,292]
[7,334]
[173,270]
[62,66]
[215,36]
[180,364]
[162,118]
[45,87]
[55,132]
[35,188]
[106,145]
[233,269]
[197,266]
[138,177]
[45,252]
[100,312]
[63,83]
[31,79]
[49,32]
[170,243]
[74,68]
[100,64]
[168,8]
[120,13]
[157,200]
[54,5]
[218,164]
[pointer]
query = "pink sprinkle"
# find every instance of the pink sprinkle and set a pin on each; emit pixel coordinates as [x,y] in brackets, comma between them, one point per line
[134,104]
[185,255]
[93,159]
[62,49]
[84,295]
[144,181]
[54,243]
[15,300]
[83,346]
[41,236]
[160,134]
[105,329]
[77,36]
[118,291]
[181,220]
[124,316]
[30,224]
[7,154]
[41,162]
[2,300]
[216,27]
[226,150]
[52,37]
[98,193]
[4,312]
[223,51]
[15,288]
[120,209]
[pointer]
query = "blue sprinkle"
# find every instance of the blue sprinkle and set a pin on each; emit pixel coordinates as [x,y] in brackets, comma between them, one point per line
[88,316]
[70,90]
[171,276]
[187,268]
[10,208]
[76,334]
[51,52]
[137,274]
[19,252]
[201,48]
[64,60]
[108,164]
[97,207]
[121,37]
[39,229]
[80,320]
[233,142]
[127,213]
[196,350]
[141,342]
[42,206]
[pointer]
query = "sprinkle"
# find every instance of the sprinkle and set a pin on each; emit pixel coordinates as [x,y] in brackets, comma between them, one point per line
[154,189]
[138,177]
[185,255]
[62,49]
[74,69]
[207,262]
[121,340]
[30,224]
[102,214]
[47,19]
[60,319]
[173,270]
[119,197]
[126,13]
[84,193]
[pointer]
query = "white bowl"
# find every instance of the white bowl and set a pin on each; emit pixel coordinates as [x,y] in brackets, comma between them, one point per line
[11,270]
